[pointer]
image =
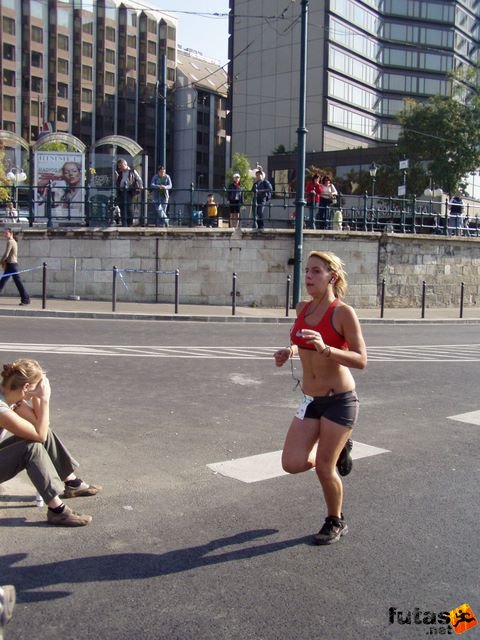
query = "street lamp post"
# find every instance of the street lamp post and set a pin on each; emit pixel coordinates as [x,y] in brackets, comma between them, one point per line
[373,175]
[301,158]
[16,176]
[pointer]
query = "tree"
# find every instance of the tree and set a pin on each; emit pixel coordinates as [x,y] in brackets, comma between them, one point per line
[444,135]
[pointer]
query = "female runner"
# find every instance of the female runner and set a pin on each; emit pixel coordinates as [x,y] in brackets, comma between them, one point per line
[328,339]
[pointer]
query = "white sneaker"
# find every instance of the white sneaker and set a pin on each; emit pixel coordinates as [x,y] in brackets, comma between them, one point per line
[7,603]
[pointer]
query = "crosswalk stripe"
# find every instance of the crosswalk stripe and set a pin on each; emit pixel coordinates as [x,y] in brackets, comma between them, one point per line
[471,417]
[411,353]
[265,466]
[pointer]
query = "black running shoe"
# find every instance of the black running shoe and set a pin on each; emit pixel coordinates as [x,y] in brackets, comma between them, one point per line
[332,530]
[345,462]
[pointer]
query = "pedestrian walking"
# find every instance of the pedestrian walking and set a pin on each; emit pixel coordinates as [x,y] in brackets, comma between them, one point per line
[9,262]
[328,339]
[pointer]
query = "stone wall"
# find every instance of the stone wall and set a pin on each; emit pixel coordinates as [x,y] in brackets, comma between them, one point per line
[207,259]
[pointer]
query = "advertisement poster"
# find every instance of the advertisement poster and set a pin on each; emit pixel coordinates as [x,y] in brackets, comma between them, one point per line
[64,171]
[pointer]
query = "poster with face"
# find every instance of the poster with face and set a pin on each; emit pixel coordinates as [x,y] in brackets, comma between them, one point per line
[61,173]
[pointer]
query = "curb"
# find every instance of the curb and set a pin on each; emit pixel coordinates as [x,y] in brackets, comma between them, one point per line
[99,315]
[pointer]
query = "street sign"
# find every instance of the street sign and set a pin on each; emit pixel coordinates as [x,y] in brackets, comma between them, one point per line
[402,190]
[403,165]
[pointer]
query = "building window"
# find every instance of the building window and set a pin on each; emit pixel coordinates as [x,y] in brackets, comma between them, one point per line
[37,34]
[9,26]
[8,126]
[87,72]
[87,96]
[9,103]
[87,49]
[87,27]
[171,54]
[109,78]
[8,52]
[132,42]
[37,84]
[62,90]
[37,59]
[63,42]
[171,74]
[8,78]
[110,34]
[110,56]
[171,33]
[62,66]
[152,68]
[152,47]
[62,114]
[152,26]
[86,118]
[131,63]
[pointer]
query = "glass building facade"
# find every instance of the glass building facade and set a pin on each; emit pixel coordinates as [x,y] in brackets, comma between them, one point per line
[365,59]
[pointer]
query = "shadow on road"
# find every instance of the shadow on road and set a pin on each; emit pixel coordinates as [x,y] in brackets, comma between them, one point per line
[132,566]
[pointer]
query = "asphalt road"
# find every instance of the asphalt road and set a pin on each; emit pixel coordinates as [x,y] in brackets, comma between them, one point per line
[176,551]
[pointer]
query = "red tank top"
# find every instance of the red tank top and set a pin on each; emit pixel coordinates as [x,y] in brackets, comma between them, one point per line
[325,327]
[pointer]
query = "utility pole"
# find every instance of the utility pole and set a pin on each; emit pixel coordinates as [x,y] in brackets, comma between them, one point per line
[300,201]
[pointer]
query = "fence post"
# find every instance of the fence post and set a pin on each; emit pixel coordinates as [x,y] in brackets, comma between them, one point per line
[382,299]
[462,293]
[114,288]
[234,293]
[423,298]
[287,300]
[49,204]
[365,214]
[414,211]
[44,286]
[177,294]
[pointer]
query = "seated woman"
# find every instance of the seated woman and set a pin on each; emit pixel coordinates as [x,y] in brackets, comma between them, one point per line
[25,414]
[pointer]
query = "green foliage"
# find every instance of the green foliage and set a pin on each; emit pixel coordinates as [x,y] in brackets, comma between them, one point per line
[56,146]
[5,190]
[441,139]
[279,149]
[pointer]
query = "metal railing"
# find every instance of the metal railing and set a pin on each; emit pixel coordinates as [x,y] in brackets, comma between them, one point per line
[100,207]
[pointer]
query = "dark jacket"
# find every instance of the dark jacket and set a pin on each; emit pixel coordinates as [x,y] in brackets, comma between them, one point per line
[263,191]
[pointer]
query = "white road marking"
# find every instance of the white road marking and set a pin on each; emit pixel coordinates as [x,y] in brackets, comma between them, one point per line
[266,466]
[412,353]
[471,417]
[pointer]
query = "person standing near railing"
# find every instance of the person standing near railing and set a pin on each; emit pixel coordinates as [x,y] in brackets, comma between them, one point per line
[327,199]
[9,262]
[235,198]
[262,192]
[456,214]
[128,184]
[313,191]
[161,184]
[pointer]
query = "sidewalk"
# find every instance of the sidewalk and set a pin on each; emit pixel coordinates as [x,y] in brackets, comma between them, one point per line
[58,308]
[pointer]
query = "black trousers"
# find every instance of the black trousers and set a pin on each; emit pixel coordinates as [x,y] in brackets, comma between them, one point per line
[11,270]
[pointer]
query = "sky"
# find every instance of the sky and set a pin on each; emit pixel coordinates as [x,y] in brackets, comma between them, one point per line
[198,26]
